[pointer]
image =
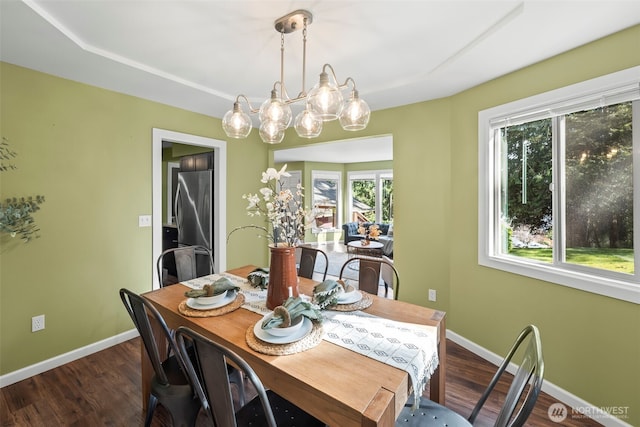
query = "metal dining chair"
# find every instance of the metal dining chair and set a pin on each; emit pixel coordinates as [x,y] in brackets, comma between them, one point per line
[307,262]
[190,262]
[519,401]
[169,386]
[210,378]
[389,276]
[370,271]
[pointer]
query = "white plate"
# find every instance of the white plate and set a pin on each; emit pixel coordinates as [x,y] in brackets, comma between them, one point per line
[193,302]
[272,339]
[349,297]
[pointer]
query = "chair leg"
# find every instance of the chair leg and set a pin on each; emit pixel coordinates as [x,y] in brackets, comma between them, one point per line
[151,406]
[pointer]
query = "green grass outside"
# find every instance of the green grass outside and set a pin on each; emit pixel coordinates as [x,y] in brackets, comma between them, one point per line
[619,260]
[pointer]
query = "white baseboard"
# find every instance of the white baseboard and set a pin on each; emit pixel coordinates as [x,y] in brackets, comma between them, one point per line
[54,362]
[551,389]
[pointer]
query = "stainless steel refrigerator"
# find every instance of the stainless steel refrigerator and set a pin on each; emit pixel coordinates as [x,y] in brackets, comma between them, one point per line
[194,210]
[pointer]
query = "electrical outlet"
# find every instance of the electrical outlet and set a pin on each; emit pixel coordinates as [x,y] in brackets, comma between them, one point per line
[37,323]
[432,294]
[144,221]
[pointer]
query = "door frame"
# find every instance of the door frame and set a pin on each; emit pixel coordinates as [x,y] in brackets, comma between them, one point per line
[219,193]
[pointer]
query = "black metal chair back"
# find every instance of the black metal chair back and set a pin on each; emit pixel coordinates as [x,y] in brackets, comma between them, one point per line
[369,270]
[169,386]
[308,257]
[526,384]
[210,376]
[519,401]
[190,262]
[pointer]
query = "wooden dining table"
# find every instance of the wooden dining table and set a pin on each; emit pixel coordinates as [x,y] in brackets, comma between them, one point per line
[336,385]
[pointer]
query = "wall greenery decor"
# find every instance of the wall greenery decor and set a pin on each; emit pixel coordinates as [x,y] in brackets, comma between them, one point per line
[16,213]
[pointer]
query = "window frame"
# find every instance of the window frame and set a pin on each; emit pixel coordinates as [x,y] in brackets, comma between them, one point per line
[611,88]
[329,175]
[373,175]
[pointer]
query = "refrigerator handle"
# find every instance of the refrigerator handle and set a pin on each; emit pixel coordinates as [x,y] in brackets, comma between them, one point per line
[177,212]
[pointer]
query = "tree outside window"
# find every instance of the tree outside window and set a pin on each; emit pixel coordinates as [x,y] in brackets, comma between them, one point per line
[372,196]
[594,186]
[556,186]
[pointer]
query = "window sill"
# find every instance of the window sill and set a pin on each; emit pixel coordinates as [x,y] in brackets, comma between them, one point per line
[612,288]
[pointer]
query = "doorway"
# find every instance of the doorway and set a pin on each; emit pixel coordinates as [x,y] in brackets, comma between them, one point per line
[219,190]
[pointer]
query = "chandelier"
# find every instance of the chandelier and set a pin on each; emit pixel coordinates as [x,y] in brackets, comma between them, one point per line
[324,102]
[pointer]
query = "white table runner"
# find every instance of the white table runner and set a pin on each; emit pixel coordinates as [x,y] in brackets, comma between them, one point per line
[407,346]
[410,347]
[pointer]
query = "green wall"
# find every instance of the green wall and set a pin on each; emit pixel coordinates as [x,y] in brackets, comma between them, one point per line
[591,342]
[89,152]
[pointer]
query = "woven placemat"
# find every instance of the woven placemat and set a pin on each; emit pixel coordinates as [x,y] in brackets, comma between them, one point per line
[183,308]
[313,338]
[365,302]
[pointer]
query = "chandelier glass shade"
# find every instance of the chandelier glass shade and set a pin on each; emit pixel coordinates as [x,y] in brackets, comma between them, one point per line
[325,99]
[275,110]
[355,114]
[324,102]
[236,123]
[308,124]
[271,132]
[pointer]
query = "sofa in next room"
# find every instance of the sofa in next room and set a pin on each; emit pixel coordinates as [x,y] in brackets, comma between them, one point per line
[350,234]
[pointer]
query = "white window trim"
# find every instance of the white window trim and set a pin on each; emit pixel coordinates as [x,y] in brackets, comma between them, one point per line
[615,87]
[336,175]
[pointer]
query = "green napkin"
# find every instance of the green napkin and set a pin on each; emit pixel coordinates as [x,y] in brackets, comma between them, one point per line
[285,315]
[326,294]
[221,285]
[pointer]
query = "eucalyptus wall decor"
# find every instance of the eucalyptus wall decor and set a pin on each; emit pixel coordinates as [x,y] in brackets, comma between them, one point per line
[16,213]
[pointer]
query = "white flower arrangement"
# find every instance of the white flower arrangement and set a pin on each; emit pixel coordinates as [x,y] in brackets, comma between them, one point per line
[283,210]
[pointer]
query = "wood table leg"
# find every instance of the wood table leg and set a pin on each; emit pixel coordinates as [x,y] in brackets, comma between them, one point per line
[381,410]
[437,381]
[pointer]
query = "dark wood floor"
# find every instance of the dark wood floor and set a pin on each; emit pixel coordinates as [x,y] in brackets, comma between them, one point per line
[103,389]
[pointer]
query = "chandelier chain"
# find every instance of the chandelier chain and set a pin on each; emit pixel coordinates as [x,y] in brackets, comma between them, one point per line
[282,65]
[304,59]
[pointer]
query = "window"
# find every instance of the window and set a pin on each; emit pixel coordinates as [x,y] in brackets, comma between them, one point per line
[559,186]
[326,199]
[371,196]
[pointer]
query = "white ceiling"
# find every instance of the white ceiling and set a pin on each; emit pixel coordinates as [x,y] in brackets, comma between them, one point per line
[199,55]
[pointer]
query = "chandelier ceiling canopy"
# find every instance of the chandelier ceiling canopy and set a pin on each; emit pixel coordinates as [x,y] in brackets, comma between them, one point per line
[324,102]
